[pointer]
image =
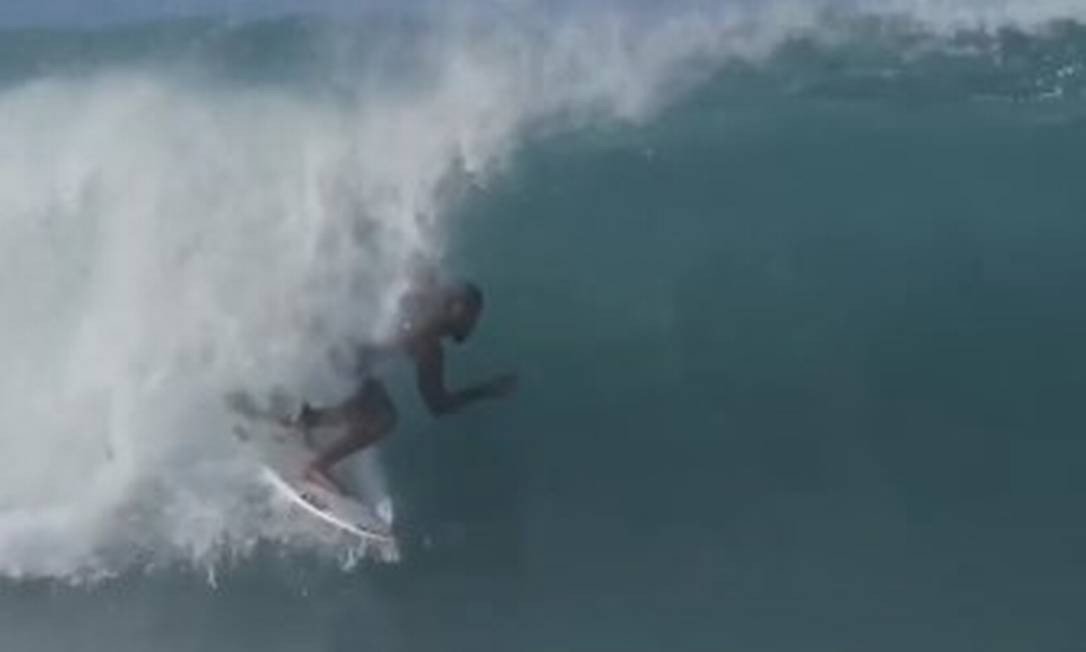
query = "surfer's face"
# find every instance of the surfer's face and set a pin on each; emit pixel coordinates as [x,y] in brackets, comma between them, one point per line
[462,318]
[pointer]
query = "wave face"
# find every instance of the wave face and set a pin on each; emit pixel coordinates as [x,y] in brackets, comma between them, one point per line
[791,288]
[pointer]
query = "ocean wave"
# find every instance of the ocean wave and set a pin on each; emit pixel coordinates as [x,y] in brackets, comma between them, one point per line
[204,205]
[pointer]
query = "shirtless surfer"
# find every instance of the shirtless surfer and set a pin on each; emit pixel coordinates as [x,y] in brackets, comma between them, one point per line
[429,316]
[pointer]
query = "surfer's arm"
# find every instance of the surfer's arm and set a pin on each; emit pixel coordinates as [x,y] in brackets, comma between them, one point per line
[430,377]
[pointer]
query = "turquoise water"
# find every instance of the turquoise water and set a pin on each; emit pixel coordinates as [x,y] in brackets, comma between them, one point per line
[801,349]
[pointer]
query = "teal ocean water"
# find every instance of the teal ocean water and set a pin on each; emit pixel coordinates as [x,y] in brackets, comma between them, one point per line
[795,298]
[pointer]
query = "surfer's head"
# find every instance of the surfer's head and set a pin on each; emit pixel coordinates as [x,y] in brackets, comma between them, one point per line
[462,307]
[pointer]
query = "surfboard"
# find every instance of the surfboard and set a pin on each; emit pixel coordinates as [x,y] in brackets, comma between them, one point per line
[326,508]
[282,452]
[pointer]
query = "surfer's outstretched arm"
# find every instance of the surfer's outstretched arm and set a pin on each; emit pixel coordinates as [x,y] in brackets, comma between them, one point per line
[430,378]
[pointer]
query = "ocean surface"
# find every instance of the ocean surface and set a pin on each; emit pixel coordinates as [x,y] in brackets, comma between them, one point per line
[795,293]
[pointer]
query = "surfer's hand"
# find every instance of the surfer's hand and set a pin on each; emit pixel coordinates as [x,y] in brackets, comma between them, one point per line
[501,386]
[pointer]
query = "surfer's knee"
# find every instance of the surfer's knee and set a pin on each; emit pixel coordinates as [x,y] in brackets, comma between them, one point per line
[377,409]
[379,423]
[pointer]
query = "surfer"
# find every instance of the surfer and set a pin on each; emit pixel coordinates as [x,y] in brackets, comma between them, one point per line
[429,316]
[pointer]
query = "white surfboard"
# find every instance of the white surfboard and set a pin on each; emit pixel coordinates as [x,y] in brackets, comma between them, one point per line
[335,511]
[283,453]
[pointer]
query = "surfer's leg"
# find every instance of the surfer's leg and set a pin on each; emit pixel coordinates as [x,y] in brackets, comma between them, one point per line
[319,470]
[372,419]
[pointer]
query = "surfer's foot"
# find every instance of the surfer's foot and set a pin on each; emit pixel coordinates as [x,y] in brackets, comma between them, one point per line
[318,476]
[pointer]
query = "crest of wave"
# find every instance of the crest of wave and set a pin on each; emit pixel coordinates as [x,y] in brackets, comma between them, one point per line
[168,239]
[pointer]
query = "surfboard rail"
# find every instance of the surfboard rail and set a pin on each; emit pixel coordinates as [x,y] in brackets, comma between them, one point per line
[307,502]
